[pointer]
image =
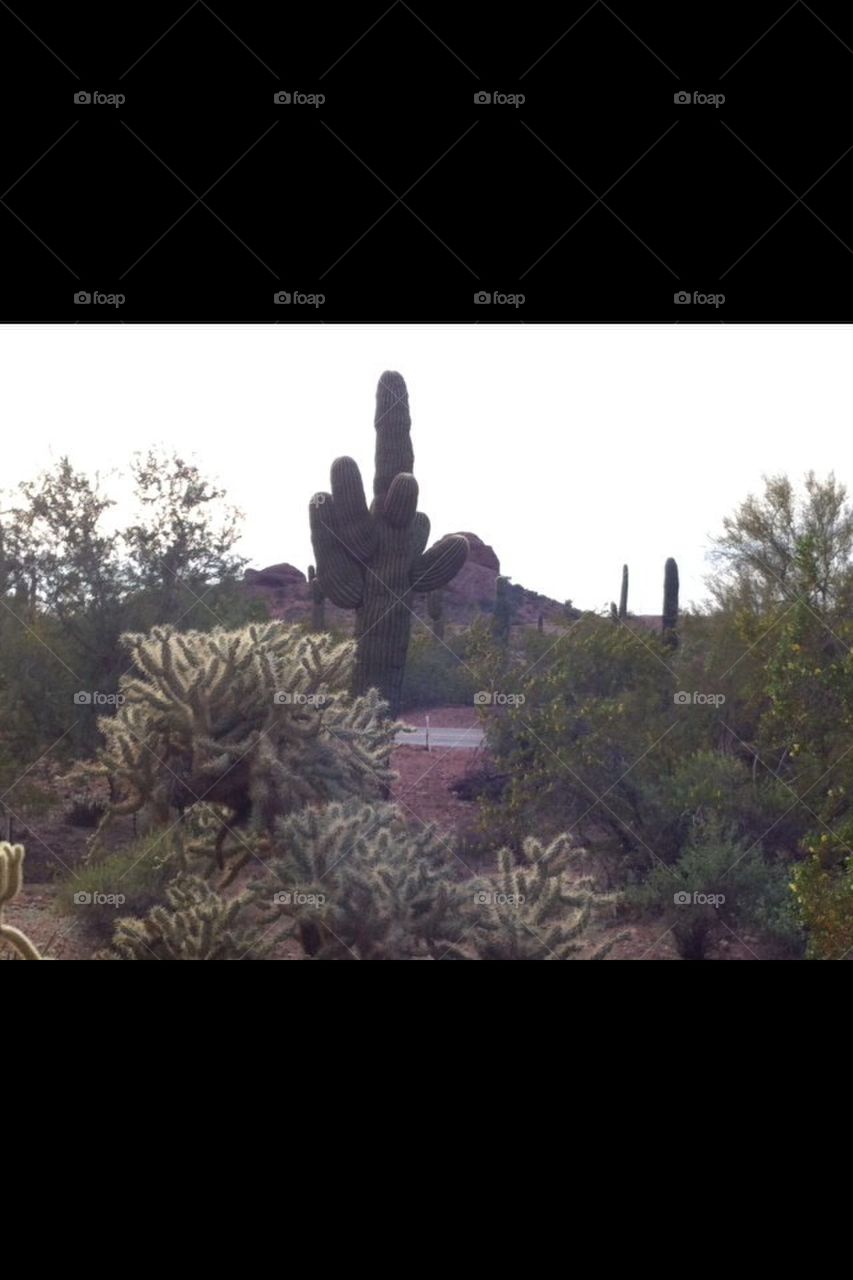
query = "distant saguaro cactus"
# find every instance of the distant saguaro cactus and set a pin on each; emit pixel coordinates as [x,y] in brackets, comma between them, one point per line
[435,609]
[670,603]
[540,623]
[623,597]
[614,612]
[318,601]
[373,559]
[502,617]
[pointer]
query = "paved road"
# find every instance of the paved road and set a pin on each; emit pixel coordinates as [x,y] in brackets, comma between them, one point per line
[463,738]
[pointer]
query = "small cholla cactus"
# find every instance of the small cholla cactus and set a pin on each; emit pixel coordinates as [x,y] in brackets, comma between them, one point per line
[11,879]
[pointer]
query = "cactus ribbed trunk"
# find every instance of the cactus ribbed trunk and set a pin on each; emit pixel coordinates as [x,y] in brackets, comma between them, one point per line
[383,623]
[318,602]
[623,597]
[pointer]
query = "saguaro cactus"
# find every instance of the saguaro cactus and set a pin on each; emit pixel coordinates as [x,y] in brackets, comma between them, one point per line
[435,601]
[670,603]
[502,617]
[623,597]
[372,559]
[318,601]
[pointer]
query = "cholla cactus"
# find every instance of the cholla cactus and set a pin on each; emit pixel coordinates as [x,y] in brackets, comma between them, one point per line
[253,719]
[11,879]
[373,559]
[534,911]
[358,884]
[197,924]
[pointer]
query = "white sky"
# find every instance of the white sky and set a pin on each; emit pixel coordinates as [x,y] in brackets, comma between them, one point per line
[570,449]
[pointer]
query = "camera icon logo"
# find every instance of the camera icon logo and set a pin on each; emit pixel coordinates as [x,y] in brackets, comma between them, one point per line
[82,298]
[681,98]
[482,97]
[482,298]
[681,699]
[682,297]
[283,699]
[82,899]
[83,698]
[282,299]
[483,898]
[681,899]
[282,98]
[482,699]
[82,96]
[282,899]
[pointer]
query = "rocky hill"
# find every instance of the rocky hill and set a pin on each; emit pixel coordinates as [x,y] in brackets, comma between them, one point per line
[285,591]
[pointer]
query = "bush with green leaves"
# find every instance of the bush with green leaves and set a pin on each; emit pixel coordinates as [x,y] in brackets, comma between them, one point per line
[129,881]
[437,673]
[719,887]
[822,885]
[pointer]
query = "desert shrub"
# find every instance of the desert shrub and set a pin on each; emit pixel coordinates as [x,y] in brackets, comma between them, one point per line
[822,885]
[719,885]
[436,673]
[129,882]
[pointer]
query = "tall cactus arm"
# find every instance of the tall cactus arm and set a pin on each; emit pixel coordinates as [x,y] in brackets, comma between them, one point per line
[394,453]
[436,567]
[352,520]
[340,574]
